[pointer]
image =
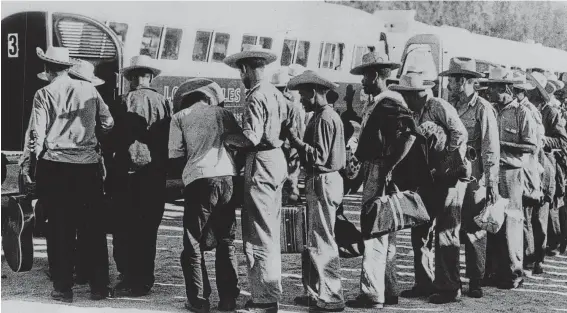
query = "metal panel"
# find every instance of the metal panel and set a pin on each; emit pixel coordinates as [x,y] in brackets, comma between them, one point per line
[84,40]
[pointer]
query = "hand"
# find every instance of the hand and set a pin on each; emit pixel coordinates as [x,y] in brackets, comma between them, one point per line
[491,195]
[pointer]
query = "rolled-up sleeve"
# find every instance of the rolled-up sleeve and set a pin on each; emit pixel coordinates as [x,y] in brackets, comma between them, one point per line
[176,144]
[446,115]
[254,120]
[39,122]
[490,145]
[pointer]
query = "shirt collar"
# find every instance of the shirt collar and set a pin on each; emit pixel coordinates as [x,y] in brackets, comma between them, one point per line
[510,105]
[524,101]
[251,90]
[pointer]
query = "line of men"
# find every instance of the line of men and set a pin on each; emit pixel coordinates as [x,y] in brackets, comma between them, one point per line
[204,141]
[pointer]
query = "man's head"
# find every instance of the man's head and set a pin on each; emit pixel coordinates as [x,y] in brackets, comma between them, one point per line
[332,97]
[461,86]
[313,89]
[522,85]
[53,70]
[499,93]
[193,98]
[413,89]
[139,77]
[141,71]
[374,80]
[251,70]
[197,90]
[56,61]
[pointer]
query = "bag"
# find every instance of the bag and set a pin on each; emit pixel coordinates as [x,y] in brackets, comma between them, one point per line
[391,213]
[491,218]
[532,182]
[293,235]
[348,237]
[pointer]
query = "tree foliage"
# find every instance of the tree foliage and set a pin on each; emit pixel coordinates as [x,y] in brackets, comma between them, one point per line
[542,21]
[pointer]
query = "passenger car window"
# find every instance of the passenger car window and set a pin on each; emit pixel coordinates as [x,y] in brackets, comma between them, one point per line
[201,47]
[302,53]
[288,51]
[220,47]
[171,45]
[248,40]
[265,42]
[331,55]
[295,52]
[150,41]
[120,29]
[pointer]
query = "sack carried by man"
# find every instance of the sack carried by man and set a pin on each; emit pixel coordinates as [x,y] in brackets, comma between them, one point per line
[491,218]
[393,212]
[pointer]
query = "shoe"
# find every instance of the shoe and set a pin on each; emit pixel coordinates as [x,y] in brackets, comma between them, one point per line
[305,301]
[140,291]
[250,306]
[363,302]
[445,297]
[529,266]
[391,300]
[101,294]
[416,292]
[511,285]
[227,305]
[551,252]
[475,289]
[538,269]
[203,307]
[122,289]
[63,296]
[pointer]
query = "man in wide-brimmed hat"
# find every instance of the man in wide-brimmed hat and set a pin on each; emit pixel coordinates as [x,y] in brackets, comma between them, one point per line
[83,70]
[265,172]
[323,151]
[63,120]
[518,140]
[208,170]
[378,284]
[479,118]
[448,190]
[140,162]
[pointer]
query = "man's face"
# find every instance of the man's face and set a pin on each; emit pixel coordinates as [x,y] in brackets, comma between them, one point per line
[497,93]
[370,82]
[307,98]
[519,93]
[414,99]
[455,87]
[140,78]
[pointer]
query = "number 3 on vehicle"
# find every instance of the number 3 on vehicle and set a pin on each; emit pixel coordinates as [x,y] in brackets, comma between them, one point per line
[13,45]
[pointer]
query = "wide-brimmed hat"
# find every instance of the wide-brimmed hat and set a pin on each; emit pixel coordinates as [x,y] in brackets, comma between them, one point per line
[310,77]
[522,81]
[553,82]
[55,55]
[537,70]
[412,81]
[499,75]
[539,80]
[373,60]
[141,62]
[250,51]
[280,78]
[83,70]
[206,86]
[296,69]
[460,66]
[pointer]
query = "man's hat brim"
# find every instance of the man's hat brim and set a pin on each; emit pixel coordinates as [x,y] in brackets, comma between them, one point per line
[426,85]
[525,86]
[359,70]
[461,72]
[488,81]
[47,59]
[301,80]
[232,60]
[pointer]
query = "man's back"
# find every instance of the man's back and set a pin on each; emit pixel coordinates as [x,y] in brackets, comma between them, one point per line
[64,117]
[196,134]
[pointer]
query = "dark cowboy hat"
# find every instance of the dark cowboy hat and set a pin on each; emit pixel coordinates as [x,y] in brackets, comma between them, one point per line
[373,60]
[460,66]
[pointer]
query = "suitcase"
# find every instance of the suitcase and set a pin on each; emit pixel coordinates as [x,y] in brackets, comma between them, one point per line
[293,230]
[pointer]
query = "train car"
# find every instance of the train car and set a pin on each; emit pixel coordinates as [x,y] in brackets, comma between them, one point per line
[186,39]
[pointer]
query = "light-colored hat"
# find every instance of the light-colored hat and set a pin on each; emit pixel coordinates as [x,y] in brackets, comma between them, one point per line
[296,69]
[523,82]
[539,80]
[373,60]
[537,70]
[280,78]
[460,66]
[206,86]
[553,82]
[55,55]
[310,77]
[412,81]
[250,51]
[82,69]
[499,75]
[141,62]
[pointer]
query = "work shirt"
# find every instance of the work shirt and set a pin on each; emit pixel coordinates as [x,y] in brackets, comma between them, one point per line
[554,125]
[264,112]
[325,143]
[195,133]
[516,125]
[64,116]
[479,119]
[144,127]
[536,114]
[440,112]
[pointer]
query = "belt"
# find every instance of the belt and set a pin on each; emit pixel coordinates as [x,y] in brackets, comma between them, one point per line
[260,149]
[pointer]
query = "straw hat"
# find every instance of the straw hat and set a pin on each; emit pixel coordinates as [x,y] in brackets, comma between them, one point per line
[539,80]
[206,86]
[412,82]
[82,70]
[280,78]
[499,75]
[460,66]
[55,55]
[523,82]
[250,51]
[141,62]
[310,77]
[373,60]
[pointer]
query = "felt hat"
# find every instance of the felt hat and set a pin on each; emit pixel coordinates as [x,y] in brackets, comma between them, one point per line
[141,62]
[250,51]
[310,77]
[206,86]
[82,70]
[539,80]
[522,81]
[373,60]
[499,75]
[55,55]
[412,82]
[461,66]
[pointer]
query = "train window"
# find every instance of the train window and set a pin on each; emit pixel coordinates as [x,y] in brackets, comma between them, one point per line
[248,40]
[331,55]
[120,29]
[151,41]
[294,52]
[288,51]
[170,49]
[220,47]
[421,57]
[302,53]
[265,42]
[360,51]
[201,48]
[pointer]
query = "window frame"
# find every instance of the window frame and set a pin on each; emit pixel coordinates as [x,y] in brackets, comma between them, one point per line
[294,52]
[256,41]
[161,39]
[337,45]
[162,43]
[209,44]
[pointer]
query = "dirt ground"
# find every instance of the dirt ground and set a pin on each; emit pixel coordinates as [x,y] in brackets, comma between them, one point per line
[29,292]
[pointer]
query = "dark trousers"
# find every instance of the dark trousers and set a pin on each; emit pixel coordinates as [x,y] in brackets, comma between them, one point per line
[71,194]
[535,231]
[140,206]
[209,221]
[557,228]
[422,243]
